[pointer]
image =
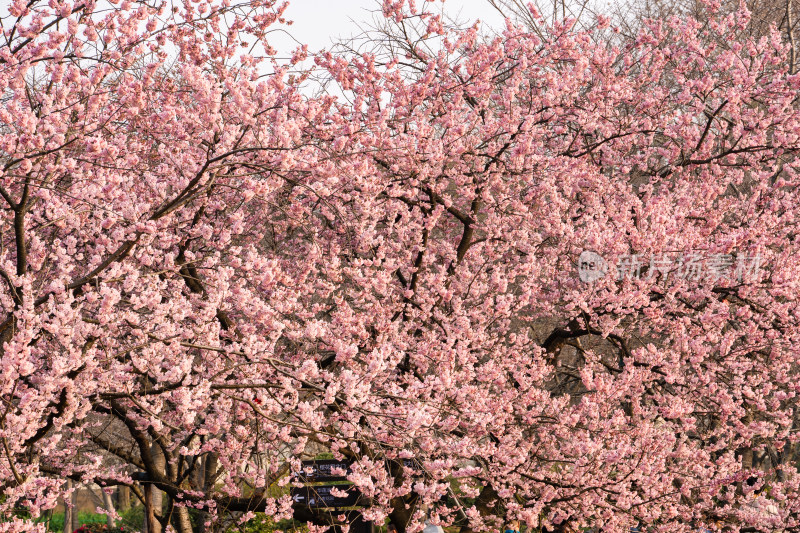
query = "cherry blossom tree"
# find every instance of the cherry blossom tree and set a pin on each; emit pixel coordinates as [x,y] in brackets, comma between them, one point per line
[513,156]
[138,141]
[209,276]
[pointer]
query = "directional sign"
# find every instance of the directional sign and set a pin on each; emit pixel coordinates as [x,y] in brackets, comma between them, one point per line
[320,496]
[321,470]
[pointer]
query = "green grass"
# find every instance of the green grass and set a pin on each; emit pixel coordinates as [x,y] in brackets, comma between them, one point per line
[131,520]
[55,522]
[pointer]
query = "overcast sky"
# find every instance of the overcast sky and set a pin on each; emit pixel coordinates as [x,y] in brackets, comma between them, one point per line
[317,22]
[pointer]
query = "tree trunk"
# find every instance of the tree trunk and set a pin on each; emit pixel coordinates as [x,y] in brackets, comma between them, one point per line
[154,498]
[109,505]
[76,520]
[182,521]
[68,510]
[151,524]
[209,479]
[123,498]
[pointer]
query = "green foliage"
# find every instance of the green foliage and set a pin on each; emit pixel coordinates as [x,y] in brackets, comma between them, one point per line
[55,522]
[132,518]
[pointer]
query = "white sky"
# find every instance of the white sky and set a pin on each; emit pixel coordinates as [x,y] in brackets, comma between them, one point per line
[318,22]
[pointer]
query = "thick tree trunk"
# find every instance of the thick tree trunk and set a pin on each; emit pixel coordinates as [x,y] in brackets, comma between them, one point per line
[151,523]
[154,498]
[182,521]
[123,498]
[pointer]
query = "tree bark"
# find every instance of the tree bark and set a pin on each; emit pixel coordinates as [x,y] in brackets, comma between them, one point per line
[123,498]
[154,498]
[182,521]
[68,510]
[109,505]
[209,479]
[76,520]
